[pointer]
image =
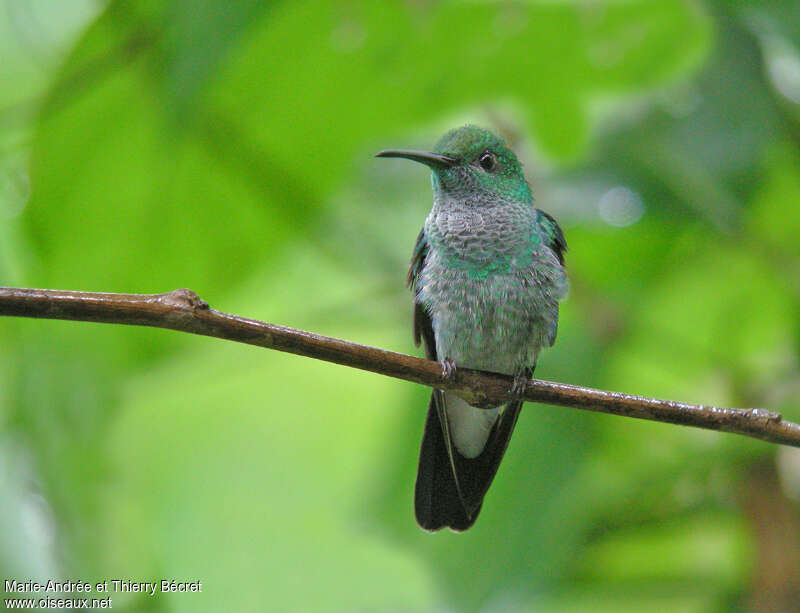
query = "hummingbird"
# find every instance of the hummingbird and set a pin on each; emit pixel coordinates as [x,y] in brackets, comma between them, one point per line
[487,273]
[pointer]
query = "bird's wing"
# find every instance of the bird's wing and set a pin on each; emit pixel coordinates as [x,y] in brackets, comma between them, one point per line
[423,328]
[555,240]
[554,235]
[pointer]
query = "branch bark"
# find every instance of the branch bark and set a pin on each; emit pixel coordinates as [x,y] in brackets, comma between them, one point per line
[184,311]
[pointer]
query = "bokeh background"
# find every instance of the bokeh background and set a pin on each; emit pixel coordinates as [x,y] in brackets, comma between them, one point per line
[227,147]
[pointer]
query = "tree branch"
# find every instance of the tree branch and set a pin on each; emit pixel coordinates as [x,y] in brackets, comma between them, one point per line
[184,311]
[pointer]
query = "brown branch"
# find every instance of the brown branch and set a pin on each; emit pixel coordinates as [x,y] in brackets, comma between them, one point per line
[184,311]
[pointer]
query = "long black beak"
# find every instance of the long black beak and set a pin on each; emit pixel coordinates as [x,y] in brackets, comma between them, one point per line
[433,160]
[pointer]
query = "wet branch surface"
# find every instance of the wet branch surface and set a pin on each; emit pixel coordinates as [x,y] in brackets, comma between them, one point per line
[184,311]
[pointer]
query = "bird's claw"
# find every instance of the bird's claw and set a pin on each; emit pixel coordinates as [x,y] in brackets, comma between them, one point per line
[448,369]
[519,385]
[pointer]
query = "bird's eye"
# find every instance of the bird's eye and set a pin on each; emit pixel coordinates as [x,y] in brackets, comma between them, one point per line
[487,161]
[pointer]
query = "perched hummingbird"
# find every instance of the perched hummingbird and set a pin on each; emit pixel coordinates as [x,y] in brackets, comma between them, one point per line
[487,273]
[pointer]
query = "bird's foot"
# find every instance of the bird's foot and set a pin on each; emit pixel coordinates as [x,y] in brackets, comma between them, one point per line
[448,369]
[519,385]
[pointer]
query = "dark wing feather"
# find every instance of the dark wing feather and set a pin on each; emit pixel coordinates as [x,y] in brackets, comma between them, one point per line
[423,329]
[417,260]
[558,244]
[555,236]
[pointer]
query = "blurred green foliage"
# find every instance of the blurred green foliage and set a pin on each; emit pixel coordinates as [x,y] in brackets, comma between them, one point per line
[227,147]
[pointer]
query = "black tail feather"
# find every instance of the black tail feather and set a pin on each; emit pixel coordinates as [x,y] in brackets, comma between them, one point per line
[437,501]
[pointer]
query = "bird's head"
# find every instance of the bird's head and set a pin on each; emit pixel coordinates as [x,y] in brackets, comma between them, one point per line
[470,160]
